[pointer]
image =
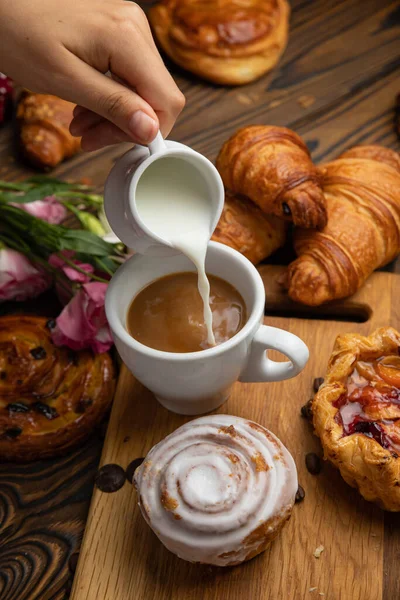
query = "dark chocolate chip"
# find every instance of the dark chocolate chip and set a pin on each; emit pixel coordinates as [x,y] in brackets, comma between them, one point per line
[130,471]
[300,494]
[13,432]
[286,209]
[44,409]
[83,405]
[110,478]
[73,562]
[318,381]
[313,463]
[3,375]
[306,410]
[51,323]
[38,353]
[18,407]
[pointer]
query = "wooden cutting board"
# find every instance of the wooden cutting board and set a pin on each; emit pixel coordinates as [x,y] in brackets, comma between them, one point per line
[121,559]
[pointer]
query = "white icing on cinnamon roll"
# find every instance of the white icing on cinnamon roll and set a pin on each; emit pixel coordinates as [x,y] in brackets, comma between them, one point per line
[217,490]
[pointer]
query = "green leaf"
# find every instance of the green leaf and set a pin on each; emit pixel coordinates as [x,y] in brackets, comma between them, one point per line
[18,187]
[84,242]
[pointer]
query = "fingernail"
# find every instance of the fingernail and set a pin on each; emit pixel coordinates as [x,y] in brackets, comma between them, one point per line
[142,127]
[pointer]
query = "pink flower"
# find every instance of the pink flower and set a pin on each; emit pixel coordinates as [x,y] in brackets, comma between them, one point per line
[83,322]
[19,278]
[49,209]
[72,274]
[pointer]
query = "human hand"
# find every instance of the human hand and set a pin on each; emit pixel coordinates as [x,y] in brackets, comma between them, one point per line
[66,49]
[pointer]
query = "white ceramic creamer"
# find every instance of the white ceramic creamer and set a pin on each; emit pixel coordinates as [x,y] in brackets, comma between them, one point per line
[172,199]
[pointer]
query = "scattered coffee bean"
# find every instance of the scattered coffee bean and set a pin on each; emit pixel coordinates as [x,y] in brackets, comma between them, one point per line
[51,323]
[313,463]
[130,471]
[38,353]
[44,409]
[300,494]
[286,209]
[83,404]
[3,375]
[110,478]
[73,562]
[18,407]
[13,432]
[306,410]
[318,381]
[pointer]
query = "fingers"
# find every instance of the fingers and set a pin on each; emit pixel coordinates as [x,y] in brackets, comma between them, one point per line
[101,135]
[112,101]
[135,59]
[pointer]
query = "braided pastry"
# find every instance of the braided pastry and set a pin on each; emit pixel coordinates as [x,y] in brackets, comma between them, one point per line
[218,490]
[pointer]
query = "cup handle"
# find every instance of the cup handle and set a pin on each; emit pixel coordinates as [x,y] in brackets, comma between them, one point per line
[158,144]
[261,368]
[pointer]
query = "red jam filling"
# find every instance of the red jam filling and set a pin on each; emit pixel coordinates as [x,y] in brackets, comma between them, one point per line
[371,404]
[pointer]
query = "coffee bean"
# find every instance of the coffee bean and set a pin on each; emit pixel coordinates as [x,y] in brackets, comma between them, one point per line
[318,381]
[306,410]
[18,407]
[51,324]
[300,494]
[38,353]
[110,478]
[130,471]
[73,562]
[286,209]
[313,463]
[13,432]
[44,409]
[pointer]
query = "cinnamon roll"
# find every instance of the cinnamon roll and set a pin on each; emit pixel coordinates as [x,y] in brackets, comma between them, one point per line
[218,490]
[229,42]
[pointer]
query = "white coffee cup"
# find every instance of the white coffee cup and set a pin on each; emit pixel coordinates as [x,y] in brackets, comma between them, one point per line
[121,188]
[198,382]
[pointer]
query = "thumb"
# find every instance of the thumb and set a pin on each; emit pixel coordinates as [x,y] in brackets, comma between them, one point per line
[118,104]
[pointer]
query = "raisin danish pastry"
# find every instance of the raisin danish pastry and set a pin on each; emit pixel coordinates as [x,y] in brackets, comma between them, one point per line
[356,413]
[245,228]
[50,398]
[228,42]
[218,490]
[272,166]
[362,191]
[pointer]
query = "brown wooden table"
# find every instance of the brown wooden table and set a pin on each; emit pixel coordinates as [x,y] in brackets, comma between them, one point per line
[336,86]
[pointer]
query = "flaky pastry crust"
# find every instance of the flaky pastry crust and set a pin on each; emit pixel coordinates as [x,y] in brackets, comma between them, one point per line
[364,462]
[229,42]
[362,191]
[272,166]
[244,227]
[50,398]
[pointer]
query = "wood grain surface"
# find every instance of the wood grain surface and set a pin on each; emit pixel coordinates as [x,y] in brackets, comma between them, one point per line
[335,85]
[121,558]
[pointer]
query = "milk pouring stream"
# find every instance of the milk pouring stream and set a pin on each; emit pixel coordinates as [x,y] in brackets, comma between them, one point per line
[172,199]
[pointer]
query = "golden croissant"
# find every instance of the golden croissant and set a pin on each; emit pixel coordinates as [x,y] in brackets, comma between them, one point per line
[225,41]
[362,190]
[244,227]
[272,166]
